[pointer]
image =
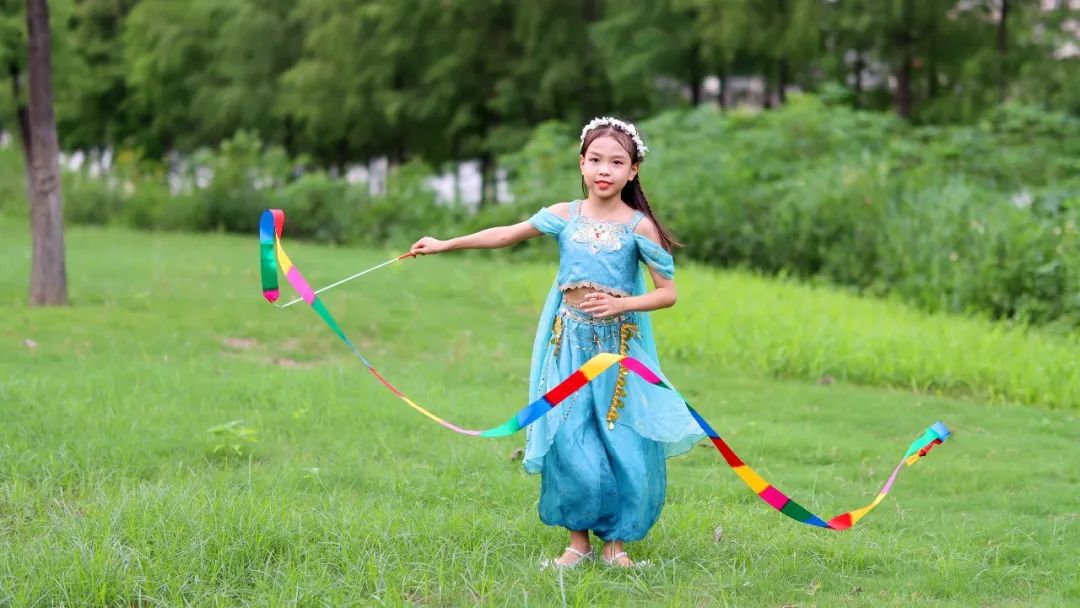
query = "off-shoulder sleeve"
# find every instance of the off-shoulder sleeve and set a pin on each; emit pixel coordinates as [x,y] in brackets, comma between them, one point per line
[655,256]
[547,222]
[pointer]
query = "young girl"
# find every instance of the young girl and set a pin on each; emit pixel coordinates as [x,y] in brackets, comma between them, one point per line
[601,454]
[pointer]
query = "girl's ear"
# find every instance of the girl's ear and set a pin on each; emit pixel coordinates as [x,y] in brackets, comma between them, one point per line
[633,171]
[581,162]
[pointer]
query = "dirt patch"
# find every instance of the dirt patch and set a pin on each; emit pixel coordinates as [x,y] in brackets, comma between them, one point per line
[240,343]
[293,364]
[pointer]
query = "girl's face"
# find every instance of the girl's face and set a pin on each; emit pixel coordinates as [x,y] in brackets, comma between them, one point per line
[606,167]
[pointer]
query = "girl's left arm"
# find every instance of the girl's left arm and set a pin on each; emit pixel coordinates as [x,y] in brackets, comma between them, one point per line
[663,296]
[606,305]
[603,305]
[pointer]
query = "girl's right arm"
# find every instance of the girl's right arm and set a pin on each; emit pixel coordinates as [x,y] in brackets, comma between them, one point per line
[490,238]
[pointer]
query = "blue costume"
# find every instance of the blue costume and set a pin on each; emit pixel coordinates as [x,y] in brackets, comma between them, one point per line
[601,453]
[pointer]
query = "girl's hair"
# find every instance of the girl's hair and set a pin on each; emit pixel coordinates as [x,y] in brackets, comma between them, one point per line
[631,194]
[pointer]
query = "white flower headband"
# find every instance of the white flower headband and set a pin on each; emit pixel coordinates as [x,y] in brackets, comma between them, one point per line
[625,127]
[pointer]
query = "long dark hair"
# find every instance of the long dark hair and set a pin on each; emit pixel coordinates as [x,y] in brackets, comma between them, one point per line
[631,194]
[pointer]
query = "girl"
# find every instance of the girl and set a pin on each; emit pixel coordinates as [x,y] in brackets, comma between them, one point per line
[601,454]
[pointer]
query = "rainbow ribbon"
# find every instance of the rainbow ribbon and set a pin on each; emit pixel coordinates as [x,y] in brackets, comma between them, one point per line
[272,256]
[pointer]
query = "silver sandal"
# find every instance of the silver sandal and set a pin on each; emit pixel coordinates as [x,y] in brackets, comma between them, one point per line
[554,563]
[614,561]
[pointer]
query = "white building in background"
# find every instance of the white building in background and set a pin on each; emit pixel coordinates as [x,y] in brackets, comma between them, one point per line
[464,185]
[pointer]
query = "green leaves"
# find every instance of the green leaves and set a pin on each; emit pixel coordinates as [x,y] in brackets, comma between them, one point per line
[232,438]
[959,219]
[348,80]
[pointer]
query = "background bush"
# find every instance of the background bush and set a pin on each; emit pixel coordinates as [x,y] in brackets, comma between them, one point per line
[967,219]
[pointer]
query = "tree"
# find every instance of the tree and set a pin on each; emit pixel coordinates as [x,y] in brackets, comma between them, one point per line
[779,39]
[92,97]
[923,45]
[723,31]
[553,71]
[474,61]
[13,63]
[48,273]
[248,57]
[649,51]
[1048,70]
[166,48]
[345,90]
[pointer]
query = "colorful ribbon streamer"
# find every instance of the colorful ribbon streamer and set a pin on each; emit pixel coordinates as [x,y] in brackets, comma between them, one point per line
[272,255]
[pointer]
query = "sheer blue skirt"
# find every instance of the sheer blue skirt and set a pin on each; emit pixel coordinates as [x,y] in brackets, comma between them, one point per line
[611,481]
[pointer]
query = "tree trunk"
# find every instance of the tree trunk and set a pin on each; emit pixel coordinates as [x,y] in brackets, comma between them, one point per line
[722,77]
[781,62]
[696,75]
[932,86]
[458,198]
[400,150]
[903,86]
[860,65]
[781,80]
[488,194]
[48,273]
[22,114]
[695,90]
[903,73]
[767,101]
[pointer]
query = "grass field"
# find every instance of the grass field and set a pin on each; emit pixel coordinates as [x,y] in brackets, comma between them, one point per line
[114,491]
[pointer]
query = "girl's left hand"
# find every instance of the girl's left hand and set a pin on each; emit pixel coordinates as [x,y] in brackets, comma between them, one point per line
[601,305]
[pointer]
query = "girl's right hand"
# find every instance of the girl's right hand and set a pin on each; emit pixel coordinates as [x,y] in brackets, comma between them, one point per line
[428,245]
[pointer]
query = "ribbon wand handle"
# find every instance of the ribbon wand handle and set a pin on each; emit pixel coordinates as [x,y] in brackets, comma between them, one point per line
[347,279]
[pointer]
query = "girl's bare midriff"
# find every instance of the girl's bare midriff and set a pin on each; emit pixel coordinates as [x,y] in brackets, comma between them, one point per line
[576,295]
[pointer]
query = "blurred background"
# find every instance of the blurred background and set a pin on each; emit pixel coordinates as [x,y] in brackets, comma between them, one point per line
[928,148]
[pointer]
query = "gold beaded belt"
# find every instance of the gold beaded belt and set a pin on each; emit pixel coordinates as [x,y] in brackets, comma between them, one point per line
[626,332]
[579,315]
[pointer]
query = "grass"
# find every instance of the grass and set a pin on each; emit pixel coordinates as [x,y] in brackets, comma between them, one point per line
[112,493]
[787,329]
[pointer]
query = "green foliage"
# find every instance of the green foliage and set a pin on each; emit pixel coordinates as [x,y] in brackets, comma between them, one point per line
[232,439]
[444,81]
[966,219]
[242,179]
[89,200]
[319,207]
[227,189]
[13,184]
[783,328]
[166,47]
[961,219]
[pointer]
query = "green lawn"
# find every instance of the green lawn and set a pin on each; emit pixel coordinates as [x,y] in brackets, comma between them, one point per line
[111,492]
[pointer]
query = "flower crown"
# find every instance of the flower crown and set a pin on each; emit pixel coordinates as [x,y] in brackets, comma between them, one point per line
[625,127]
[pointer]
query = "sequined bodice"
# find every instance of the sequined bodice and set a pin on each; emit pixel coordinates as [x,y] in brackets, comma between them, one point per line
[599,235]
[598,253]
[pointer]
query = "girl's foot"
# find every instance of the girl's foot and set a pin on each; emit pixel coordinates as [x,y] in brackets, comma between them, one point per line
[622,560]
[569,559]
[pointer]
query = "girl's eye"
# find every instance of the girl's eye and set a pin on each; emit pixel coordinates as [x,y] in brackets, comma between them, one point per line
[618,162]
[594,160]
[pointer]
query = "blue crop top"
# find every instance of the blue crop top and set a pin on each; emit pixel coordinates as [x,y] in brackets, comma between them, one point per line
[601,254]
